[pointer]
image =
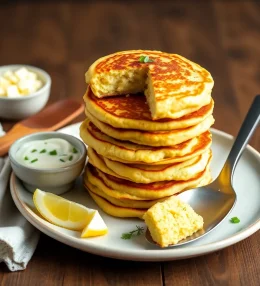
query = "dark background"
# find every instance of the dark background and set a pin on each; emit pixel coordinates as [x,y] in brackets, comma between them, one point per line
[65,37]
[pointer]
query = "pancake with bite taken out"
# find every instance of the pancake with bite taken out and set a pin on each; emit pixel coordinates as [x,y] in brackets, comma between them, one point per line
[173,85]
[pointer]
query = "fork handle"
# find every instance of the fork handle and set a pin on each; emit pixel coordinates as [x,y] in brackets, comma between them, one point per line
[245,133]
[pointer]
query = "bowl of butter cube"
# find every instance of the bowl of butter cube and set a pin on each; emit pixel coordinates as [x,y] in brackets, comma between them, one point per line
[24,91]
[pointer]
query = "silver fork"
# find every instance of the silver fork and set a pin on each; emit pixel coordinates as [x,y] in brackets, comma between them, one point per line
[215,201]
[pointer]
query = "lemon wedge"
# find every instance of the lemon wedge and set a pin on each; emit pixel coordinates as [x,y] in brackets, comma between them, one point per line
[96,227]
[64,213]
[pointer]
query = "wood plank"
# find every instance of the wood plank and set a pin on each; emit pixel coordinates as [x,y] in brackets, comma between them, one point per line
[239,26]
[235,265]
[104,27]
[57,264]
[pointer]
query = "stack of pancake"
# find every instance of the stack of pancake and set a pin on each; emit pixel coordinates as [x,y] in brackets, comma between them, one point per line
[147,128]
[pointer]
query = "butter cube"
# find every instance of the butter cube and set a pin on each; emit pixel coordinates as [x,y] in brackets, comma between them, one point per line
[37,85]
[21,73]
[31,75]
[4,83]
[12,91]
[26,86]
[9,75]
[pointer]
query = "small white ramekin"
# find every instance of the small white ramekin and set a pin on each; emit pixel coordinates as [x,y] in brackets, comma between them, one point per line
[25,106]
[58,180]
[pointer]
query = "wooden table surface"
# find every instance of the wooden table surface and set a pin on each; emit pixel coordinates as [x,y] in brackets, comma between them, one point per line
[64,38]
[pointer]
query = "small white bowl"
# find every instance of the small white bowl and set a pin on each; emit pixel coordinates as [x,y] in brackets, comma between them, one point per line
[58,180]
[25,106]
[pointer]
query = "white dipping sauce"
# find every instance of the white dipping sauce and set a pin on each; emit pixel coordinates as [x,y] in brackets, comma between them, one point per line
[47,154]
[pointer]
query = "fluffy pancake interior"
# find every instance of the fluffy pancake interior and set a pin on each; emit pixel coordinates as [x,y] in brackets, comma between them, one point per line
[149,94]
[121,81]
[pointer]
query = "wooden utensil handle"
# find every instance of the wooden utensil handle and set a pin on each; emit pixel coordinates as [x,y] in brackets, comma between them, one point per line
[52,118]
[15,133]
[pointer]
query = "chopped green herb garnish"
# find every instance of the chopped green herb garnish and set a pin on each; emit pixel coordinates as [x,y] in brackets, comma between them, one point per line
[235,219]
[136,232]
[74,150]
[43,151]
[53,152]
[34,150]
[45,142]
[34,160]
[64,154]
[62,160]
[142,59]
[70,158]
[148,60]
[184,208]
[26,158]
[145,59]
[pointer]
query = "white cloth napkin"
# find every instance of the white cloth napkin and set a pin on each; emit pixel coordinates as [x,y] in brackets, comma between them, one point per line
[18,238]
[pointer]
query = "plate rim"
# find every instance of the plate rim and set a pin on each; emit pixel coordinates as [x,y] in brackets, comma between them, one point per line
[134,254]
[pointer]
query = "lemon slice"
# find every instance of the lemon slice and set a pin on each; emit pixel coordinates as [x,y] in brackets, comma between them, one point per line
[62,212]
[95,227]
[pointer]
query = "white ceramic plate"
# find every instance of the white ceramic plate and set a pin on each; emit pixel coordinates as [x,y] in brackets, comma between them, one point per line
[247,208]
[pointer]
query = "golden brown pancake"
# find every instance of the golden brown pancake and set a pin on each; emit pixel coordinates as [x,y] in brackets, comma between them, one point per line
[157,138]
[151,173]
[114,210]
[109,205]
[127,152]
[132,112]
[124,189]
[175,85]
[121,202]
